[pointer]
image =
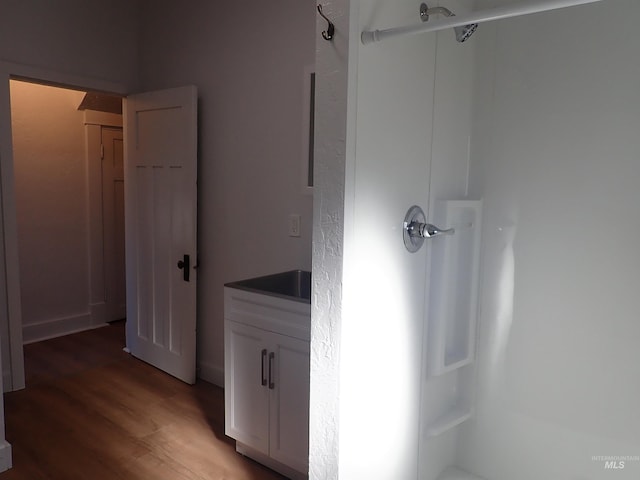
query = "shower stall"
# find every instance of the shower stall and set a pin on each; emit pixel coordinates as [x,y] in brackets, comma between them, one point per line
[507,349]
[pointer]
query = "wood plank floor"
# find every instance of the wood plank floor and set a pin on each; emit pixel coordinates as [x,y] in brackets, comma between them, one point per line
[90,411]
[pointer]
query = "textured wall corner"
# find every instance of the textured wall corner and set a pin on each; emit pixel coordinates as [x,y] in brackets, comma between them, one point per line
[328,238]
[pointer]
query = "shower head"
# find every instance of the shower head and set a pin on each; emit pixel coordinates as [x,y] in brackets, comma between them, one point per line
[462,32]
[465,31]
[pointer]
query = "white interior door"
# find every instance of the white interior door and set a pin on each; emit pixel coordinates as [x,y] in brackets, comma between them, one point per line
[160,130]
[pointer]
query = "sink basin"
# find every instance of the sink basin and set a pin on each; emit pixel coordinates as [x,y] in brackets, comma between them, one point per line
[293,285]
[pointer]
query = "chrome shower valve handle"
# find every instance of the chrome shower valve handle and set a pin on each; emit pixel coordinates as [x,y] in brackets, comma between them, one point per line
[416,229]
[427,230]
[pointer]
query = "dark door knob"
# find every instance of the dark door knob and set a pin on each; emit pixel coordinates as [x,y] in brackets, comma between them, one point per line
[184,266]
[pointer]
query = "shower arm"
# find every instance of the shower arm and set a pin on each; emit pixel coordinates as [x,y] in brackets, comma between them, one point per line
[498,13]
[437,11]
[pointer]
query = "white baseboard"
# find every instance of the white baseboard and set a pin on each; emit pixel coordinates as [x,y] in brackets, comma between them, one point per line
[57,327]
[6,380]
[6,461]
[211,373]
[98,312]
[266,460]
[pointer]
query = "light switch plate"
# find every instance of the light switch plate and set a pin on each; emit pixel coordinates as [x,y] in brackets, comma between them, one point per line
[294,225]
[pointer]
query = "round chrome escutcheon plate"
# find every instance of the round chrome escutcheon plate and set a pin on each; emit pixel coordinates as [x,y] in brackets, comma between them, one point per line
[414,214]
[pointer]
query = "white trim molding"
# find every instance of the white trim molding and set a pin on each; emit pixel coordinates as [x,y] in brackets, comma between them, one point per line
[103,119]
[98,314]
[57,327]
[210,373]
[6,456]
[6,378]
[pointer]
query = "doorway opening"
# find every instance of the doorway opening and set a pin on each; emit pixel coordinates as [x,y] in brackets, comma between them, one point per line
[69,200]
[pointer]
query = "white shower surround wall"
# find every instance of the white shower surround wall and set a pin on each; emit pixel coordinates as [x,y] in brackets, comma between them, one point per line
[555,153]
[372,339]
[538,88]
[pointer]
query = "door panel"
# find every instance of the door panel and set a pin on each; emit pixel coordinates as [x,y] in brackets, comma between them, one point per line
[144,234]
[247,392]
[161,173]
[113,222]
[289,441]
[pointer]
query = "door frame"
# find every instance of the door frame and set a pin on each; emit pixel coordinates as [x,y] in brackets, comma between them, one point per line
[9,228]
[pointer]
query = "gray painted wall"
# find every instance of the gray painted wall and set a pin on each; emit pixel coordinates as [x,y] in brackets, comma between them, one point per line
[95,39]
[249,70]
[51,201]
[247,60]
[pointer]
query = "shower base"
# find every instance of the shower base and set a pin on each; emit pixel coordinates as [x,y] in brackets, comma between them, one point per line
[453,473]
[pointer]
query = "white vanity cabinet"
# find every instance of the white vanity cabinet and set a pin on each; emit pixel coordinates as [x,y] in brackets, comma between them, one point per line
[267,379]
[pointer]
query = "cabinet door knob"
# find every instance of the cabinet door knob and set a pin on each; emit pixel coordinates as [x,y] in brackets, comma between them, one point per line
[262,367]
[272,383]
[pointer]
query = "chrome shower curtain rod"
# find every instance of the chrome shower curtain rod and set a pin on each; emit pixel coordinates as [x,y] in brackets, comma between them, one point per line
[489,15]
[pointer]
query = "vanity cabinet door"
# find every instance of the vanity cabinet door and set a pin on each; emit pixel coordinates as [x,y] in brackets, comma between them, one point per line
[289,403]
[246,390]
